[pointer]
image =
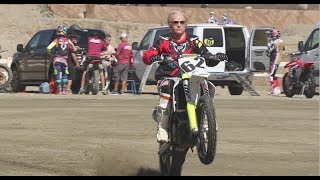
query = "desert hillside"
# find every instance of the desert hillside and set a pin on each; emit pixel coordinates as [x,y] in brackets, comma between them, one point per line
[20,21]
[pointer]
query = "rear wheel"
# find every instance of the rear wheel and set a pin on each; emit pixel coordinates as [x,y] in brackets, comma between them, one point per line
[171,161]
[96,82]
[287,85]
[207,136]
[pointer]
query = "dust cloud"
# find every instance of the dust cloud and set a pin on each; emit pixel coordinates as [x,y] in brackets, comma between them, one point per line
[123,164]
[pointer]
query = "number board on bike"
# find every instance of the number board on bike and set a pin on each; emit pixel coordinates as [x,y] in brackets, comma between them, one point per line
[190,64]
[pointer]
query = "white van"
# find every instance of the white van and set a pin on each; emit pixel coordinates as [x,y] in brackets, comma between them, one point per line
[310,50]
[241,47]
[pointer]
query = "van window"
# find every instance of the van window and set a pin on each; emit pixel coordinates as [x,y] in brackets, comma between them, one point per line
[160,32]
[260,38]
[189,30]
[146,41]
[234,38]
[313,41]
[212,37]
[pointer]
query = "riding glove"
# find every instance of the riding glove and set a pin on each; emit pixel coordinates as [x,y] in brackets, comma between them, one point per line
[222,57]
[213,60]
[155,58]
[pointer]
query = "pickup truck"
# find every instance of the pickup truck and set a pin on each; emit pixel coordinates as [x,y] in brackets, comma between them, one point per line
[31,65]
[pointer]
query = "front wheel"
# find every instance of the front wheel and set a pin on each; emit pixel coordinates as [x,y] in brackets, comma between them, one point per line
[171,160]
[287,85]
[207,136]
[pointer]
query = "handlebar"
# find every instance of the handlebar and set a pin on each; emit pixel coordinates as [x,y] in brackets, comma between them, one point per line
[295,53]
[217,56]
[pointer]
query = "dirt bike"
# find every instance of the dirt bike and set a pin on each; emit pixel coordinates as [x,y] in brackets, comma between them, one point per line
[299,79]
[192,118]
[92,78]
[5,75]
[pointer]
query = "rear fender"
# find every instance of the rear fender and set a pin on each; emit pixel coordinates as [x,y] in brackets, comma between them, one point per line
[95,64]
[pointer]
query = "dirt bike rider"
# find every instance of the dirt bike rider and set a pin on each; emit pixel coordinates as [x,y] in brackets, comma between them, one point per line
[73,35]
[177,42]
[95,47]
[60,48]
[275,52]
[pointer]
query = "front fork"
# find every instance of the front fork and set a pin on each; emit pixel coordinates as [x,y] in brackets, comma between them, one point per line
[191,107]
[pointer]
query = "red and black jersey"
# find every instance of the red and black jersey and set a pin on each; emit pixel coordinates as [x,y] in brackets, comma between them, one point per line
[167,44]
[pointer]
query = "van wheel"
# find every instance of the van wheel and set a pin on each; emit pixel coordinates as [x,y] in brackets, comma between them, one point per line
[235,89]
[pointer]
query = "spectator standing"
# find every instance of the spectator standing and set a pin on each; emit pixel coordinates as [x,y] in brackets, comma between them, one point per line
[212,18]
[121,68]
[225,19]
[108,58]
[72,63]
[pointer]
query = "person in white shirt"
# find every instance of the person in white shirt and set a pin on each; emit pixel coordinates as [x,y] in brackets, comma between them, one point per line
[212,18]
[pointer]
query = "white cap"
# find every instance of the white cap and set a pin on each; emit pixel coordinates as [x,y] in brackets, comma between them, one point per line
[123,35]
[211,12]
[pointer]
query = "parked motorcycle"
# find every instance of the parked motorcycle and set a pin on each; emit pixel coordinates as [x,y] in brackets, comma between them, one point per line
[299,79]
[92,78]
[192,118]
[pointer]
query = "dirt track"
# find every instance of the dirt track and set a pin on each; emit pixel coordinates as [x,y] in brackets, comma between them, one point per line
[115,135]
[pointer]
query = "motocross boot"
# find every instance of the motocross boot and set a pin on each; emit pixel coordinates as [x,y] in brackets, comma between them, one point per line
[272,89]
[64,87]
[163,124]
[275,88]
[59,87]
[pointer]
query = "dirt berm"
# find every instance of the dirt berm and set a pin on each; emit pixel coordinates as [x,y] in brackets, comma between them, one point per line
[21,21]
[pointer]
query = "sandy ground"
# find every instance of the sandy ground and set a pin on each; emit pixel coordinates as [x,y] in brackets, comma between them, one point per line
[115,135]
